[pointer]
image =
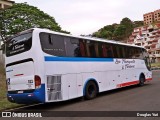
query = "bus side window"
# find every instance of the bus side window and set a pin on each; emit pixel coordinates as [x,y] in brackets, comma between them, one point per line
[92,50]
[53,44]
[82,48]
[118,51]
[104,50]
[58,45]
[115,51]
[130,52]
[50,40]
[87,48]
[139,54]
[126,50]
[72,47]
[45,40]
[100,50]
[97,49]
[110,51]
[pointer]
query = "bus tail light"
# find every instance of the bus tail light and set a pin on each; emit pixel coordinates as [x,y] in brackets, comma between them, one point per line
[37,80]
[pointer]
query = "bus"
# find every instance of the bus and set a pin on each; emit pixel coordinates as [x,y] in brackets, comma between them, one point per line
[47,66]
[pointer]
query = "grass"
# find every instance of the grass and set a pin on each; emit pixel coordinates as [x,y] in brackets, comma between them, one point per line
[4,103]
[155,64]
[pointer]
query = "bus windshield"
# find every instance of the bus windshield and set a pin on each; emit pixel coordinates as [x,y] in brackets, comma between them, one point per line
[19,44]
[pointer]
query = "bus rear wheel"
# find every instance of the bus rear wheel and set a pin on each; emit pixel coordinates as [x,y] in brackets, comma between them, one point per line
[91,90]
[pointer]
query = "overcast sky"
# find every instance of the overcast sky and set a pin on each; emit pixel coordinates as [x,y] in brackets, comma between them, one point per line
[87,16]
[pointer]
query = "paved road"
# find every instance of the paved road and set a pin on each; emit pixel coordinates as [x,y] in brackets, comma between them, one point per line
[146,98]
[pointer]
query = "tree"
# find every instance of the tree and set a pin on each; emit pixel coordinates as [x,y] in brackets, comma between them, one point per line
[129,26]
[138,23]
[119,33]
[22,16]
[106,32]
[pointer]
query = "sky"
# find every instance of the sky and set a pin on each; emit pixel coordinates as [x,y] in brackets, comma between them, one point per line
[88,16]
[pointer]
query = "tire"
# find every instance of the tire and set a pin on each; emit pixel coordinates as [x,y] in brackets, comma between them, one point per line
[91,90]
[141,81]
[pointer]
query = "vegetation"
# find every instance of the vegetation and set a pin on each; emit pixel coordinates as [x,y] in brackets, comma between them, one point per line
[118,31]
[4,103]
[155,64]
[22,16]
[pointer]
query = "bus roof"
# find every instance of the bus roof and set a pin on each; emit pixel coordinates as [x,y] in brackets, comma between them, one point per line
[81,37]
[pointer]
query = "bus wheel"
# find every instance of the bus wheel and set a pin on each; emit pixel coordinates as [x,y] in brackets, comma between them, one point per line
[141,81]
[91,90]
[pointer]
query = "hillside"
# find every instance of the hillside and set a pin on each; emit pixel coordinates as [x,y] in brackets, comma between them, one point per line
[119,32]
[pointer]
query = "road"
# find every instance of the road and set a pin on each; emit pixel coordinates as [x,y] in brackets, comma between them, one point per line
[134,98]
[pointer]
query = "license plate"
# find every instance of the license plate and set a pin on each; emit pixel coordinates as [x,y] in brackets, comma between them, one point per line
[20,91]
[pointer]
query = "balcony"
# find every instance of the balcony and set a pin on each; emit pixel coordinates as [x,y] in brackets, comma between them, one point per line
[136,31]
[138,41]
[158,31]
[157,49]
[157,55]
[131,37]
[149,51]
[152,36]
[139,44]
[151,55]
[147,46]
[157,35]
[134,34]
[154,31]
[154,45]
[130,42]
[155,40]
[140,38]
[144,29]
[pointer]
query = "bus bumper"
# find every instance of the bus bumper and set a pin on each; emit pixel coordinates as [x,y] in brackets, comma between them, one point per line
[38,96]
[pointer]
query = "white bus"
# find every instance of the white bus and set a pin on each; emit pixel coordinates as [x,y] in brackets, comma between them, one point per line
[47,66]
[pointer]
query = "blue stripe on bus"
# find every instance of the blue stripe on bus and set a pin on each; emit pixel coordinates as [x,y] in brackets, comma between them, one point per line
[77,59]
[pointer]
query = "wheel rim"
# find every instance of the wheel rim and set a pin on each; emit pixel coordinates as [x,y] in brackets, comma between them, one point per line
[91,90]
[142,81]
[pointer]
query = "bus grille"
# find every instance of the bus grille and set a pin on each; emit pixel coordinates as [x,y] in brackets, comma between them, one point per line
[54,88]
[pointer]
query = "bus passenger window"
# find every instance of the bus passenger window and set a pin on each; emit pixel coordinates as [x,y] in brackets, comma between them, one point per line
[104,50]
[109,51]
[52,44]
[72,47]
[126,50]
[115,51]
[92,50]
[50,39]
[97,49]
[100,50]
[82,48]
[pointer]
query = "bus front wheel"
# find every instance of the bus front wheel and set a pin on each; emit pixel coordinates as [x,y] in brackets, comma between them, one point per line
[91,90]
[141,81]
